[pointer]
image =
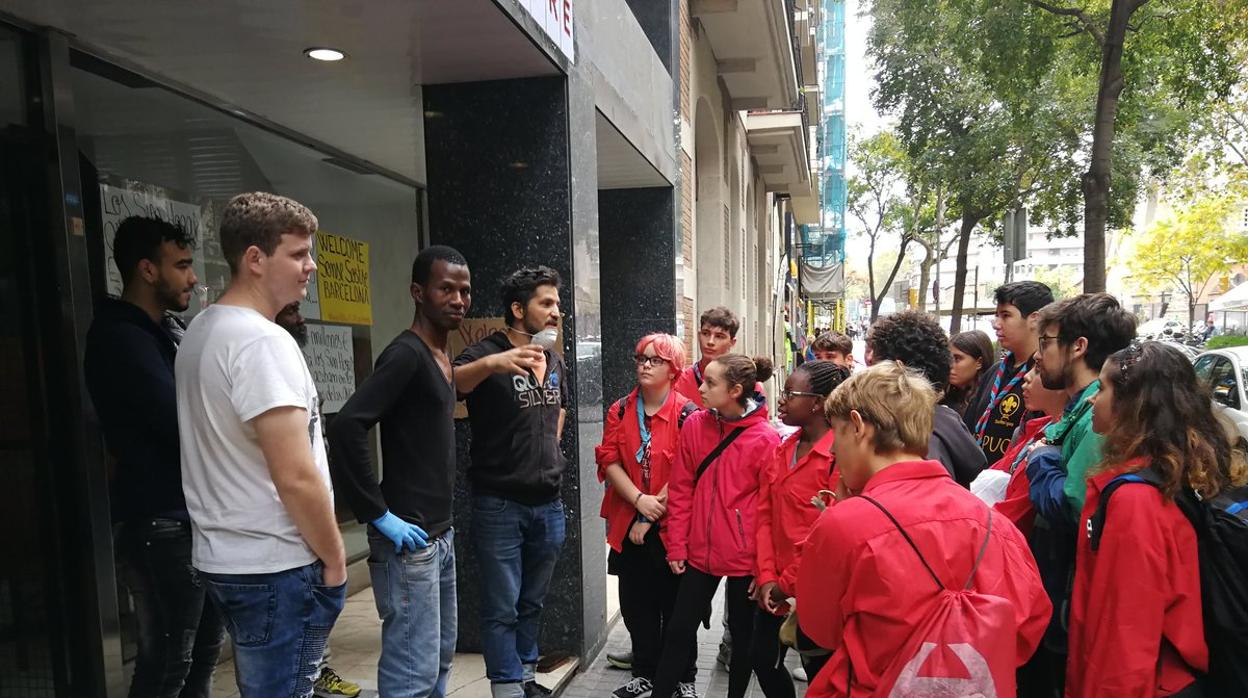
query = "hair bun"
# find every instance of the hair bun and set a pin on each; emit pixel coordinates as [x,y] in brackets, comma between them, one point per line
[763,368]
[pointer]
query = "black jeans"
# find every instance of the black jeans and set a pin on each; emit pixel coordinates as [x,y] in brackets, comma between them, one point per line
[693,605]
[647,602]
[767,654]
[180,635]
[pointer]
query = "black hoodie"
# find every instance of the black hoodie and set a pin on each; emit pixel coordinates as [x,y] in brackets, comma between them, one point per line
[515,428]
[129,370]
[955,448]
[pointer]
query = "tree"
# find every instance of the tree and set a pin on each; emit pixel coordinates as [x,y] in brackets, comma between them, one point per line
[872,198]
[1179,54]
[1191,249]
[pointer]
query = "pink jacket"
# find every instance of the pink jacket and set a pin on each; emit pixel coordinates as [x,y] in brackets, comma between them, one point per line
[714,527]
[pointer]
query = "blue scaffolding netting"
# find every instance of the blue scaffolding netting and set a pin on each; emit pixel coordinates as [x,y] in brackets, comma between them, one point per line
[825,242]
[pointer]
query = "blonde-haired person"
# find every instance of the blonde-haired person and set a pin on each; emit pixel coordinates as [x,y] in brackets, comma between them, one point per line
[635,458]
[712,522]
[862,587]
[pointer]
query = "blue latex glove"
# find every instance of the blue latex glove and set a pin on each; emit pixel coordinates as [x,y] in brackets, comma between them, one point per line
[401,533]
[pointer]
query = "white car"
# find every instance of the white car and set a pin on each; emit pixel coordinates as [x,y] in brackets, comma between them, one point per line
[1222,370]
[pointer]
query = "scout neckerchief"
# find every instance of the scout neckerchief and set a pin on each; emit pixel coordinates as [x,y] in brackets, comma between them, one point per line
[997,393]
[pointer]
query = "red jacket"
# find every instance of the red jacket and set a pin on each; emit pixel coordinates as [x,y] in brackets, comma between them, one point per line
[861,589]
[620,440]
[785,511]
[1017,503]
[690,380]
[713,528]
[1135,620]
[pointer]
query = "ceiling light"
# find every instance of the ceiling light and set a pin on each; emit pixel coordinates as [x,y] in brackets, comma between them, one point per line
[324,54]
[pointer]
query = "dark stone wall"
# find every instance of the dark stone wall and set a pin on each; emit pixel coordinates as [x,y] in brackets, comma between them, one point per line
[501,190]
[657,20]
[638,235]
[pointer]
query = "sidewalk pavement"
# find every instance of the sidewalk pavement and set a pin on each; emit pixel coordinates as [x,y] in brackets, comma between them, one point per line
[599,679]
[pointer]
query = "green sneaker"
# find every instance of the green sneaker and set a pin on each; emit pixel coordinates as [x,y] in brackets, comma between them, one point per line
[330,685]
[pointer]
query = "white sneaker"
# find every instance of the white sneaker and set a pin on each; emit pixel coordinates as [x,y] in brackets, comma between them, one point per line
[686,690]
[799,674]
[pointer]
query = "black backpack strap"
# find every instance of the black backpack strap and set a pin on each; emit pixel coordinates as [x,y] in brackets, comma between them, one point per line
[689,408]
[907,537]
[620,405]
[710,457]
[1096,524]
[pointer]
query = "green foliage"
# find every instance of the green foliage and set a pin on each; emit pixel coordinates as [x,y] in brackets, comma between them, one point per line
[1226,340]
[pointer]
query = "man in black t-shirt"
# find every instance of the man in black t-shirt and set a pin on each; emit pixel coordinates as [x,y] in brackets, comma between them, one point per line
[997,410]
[411,542]
[516,389]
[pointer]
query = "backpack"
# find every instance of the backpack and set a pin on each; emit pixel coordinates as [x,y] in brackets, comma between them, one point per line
[688,409]
[1221,526]
[965,645]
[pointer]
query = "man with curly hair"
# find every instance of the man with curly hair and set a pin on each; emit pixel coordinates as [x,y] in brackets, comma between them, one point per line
[914,339]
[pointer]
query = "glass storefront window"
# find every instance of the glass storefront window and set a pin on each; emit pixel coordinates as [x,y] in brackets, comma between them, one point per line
[151,151]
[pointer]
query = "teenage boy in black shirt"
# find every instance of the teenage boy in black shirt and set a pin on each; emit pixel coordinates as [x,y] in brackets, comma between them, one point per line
[129,372]
[411,542]
[997,410]
[516,392]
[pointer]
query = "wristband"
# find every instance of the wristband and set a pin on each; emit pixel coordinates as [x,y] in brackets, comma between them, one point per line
[639,496]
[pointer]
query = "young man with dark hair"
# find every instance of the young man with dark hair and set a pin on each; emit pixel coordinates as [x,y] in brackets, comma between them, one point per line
[254,469]
[129,373]
[516,389]
[916,340]
[411,541]
[717,335]
[834,347]
[1076,335]
[994,414]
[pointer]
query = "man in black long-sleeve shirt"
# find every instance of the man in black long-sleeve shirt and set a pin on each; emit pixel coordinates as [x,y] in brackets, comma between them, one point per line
[412,554]
[129,372]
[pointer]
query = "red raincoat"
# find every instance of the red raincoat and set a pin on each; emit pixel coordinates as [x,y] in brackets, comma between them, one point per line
[621,437]
[1017,503]
[713,528]
[785,511]
[861,589]
[1135,621]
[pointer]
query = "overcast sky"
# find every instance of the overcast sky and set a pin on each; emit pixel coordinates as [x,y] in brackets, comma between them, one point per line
[859,111]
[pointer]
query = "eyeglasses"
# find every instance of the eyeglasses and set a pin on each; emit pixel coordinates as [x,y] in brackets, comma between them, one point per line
[1045,339]
[790,394]
[655,361]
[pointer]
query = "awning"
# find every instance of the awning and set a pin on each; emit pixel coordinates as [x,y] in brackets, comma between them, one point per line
[1234,299]
[823,283]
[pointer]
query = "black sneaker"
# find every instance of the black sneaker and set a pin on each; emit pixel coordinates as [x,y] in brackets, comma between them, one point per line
[533,689]
[637,688]
[623,660]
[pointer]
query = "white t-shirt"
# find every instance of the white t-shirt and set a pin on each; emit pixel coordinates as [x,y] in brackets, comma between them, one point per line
[234,365]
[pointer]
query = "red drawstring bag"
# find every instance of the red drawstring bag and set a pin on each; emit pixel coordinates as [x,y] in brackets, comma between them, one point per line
[963,648]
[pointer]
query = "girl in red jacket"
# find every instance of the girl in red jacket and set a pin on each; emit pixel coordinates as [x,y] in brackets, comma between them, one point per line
[711,519]
[1135,621]
[636,456]
[788,491]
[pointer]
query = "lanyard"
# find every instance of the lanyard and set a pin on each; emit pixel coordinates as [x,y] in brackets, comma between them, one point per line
[697,373]
[997,393]
[641,426]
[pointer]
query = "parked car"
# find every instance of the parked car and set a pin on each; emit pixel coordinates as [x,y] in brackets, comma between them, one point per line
[1159,328]
[1222,371]
[1188,350]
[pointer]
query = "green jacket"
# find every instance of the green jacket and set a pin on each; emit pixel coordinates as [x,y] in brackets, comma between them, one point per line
[1081,447]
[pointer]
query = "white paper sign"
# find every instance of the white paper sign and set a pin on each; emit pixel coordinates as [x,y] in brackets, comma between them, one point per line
[331,359]
[555,17]
[118,204]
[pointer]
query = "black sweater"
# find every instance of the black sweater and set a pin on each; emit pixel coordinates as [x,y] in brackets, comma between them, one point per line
[515,425]
[128,365]
[410,397]
[952,444]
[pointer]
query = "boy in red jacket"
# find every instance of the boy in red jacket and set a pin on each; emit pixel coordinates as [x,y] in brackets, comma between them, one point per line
[861,588]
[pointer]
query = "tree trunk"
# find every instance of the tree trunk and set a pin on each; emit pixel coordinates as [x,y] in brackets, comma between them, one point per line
[901,256]
[969,220]
[1191,313]
[875,311]
[1096,180]
[925,275]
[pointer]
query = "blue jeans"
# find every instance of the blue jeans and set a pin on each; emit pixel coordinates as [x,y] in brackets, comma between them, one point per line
[415,595]
[517,546]
[279,623]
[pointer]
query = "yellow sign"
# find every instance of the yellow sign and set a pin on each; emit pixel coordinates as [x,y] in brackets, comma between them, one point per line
[342,279]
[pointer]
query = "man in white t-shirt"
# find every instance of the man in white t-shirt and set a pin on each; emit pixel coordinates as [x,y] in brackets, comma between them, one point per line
[254,471]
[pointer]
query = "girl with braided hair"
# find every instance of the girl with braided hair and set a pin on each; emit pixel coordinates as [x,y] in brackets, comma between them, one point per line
[792,491]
